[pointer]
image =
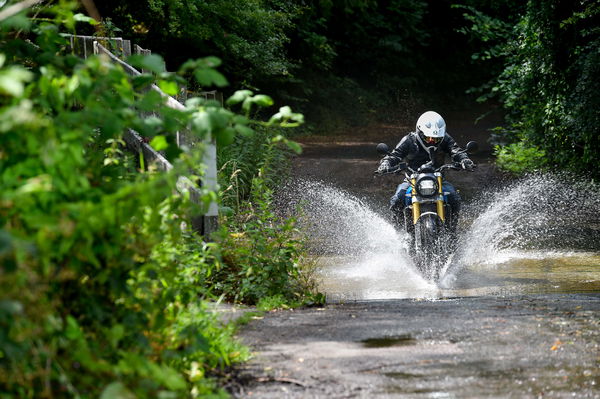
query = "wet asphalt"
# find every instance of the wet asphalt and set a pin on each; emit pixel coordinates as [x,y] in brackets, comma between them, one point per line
[532,346]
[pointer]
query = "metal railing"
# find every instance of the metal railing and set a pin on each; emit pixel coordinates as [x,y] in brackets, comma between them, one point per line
[118,49]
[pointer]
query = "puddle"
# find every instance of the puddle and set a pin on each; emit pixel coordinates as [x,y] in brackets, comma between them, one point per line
[459,381]
[386,342]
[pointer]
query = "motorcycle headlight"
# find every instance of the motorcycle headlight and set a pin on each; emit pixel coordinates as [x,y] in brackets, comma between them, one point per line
[427,187]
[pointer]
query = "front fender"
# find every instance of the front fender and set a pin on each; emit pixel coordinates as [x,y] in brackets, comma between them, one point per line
[430,222]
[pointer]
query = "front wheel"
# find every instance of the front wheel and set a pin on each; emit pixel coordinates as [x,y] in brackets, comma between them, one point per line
[430,246]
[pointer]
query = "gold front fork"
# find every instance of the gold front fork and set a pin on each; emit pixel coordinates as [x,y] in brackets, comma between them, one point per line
[416,207]
[440,201]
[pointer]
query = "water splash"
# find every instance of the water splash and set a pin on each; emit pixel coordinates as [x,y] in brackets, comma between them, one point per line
[541,214]
[340,223]
[365,257]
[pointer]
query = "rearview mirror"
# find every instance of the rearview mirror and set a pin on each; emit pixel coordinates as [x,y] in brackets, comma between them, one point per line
[383,149]
[472,147]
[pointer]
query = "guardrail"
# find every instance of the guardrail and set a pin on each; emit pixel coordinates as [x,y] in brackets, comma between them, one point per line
[206,223]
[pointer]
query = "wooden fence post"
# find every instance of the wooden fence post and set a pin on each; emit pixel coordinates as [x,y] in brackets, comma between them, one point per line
[205,223]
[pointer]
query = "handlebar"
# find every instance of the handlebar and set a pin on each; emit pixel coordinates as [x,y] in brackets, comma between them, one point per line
[404,166]
[453,166]
[388,172]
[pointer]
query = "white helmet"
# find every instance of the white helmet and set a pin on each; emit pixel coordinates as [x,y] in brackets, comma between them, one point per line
[431,128]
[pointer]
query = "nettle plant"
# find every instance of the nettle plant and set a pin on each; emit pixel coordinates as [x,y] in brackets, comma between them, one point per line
[100,287]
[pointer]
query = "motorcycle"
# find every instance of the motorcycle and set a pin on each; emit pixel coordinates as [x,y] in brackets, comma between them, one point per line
[427,215]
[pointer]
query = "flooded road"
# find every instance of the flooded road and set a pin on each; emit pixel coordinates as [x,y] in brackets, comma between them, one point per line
[526,238]
[515,273]
[516,313]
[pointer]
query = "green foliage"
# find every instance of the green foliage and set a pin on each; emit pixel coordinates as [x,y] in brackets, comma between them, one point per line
[272,303]
[371,27]
[338,61]
[549,83]
[260,147]
[102,286]
[518,159]
[493,33]
[353,57]
[261,252]
[240,163]
[249,35]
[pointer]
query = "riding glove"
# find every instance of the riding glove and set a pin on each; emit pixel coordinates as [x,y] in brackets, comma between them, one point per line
[384,167]
[467,164]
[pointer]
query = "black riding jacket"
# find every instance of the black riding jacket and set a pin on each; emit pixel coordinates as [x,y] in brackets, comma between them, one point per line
[414,151]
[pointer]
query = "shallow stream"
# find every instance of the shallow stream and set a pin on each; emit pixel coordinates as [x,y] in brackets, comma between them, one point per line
[540,234]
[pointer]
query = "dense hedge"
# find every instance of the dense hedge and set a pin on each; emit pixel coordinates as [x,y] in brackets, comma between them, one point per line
[549,82]
[104,292]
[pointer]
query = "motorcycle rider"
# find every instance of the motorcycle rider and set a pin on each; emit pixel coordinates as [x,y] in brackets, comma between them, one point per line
[414,149]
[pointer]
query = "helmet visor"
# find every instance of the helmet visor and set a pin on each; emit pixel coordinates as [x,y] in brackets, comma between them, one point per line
[432,140]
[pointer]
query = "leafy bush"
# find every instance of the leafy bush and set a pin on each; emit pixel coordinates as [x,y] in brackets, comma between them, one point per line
[519,159]
[261,253]
[241,162]
[102,287]
[338,60]
[249,35]
[263,150]
[549,83]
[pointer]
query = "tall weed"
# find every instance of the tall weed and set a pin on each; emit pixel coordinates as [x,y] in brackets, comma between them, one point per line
[262,253]
[240,162]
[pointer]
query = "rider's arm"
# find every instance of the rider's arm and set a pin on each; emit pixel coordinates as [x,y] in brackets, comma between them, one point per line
[398,153]
[450,146]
